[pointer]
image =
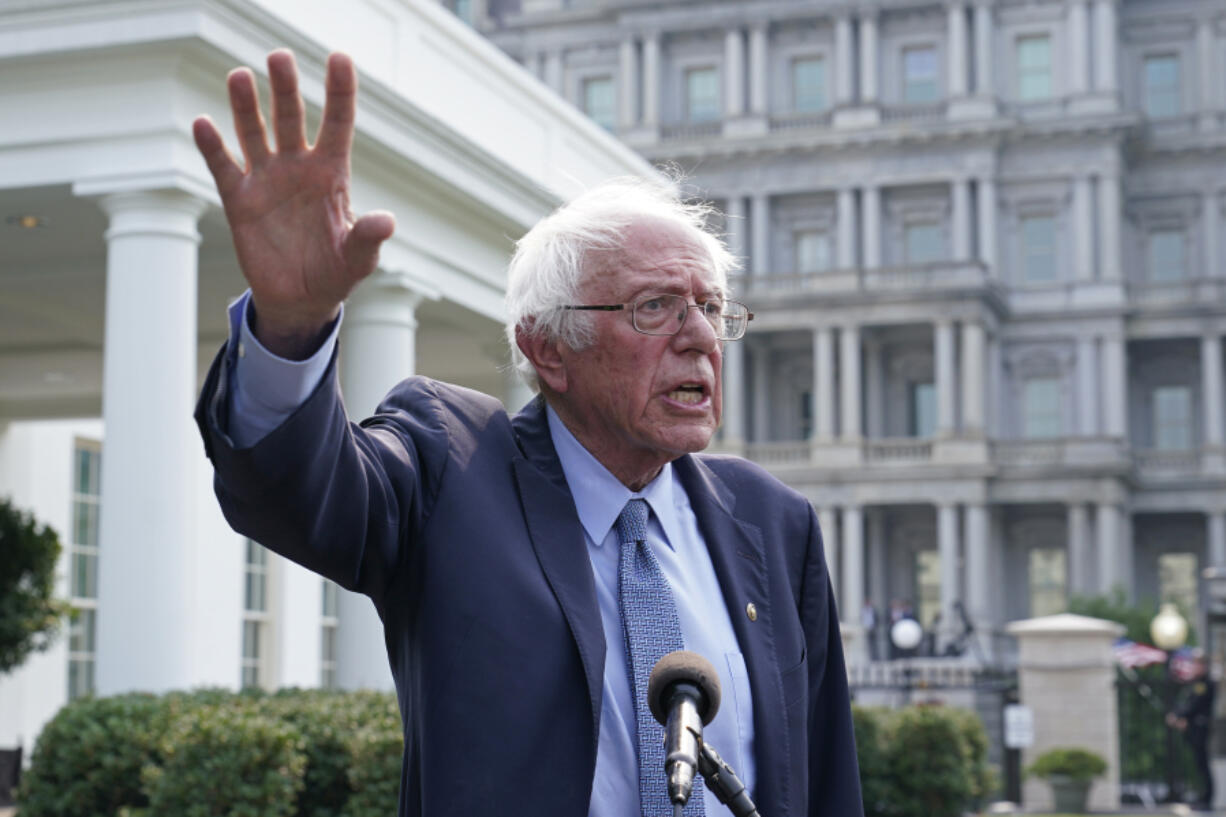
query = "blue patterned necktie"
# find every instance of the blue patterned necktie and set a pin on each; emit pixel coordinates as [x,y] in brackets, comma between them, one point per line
[649,620]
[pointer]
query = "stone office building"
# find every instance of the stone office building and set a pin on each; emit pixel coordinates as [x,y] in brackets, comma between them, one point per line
[981,242]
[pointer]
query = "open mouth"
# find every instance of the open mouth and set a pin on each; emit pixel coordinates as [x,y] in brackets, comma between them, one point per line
[689,393]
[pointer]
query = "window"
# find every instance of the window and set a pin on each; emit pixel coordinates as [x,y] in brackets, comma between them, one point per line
[919,71]
[809,85]
[701,95]
[812,250]
[1042,408]
[329,623]
[1177,574]
[928,586]
[1047,582]
[255,616]
[1172,418]
[83,579]
[598,100]
[921,409]
[1038,249]
[1161,86]
[462,9]
[1166,262]
[1033,68]
[923,243]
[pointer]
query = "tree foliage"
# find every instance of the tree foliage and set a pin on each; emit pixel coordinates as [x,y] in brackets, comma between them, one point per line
[29,614]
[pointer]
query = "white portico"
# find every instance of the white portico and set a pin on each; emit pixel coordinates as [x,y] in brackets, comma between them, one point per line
[116,268]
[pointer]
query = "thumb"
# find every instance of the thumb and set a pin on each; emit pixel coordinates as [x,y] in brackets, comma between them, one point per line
[365,237]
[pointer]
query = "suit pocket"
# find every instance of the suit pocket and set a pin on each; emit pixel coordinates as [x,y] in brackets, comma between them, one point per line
[796,683]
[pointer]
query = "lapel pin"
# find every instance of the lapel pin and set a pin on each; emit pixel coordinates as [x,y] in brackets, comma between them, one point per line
[751,610]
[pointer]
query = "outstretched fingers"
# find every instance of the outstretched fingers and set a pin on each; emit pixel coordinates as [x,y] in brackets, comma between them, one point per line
[288,114]
[340,104]
[248,120]
[226,172]
[366,236]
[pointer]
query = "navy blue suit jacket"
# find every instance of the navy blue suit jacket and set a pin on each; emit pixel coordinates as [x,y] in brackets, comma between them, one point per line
[456,520]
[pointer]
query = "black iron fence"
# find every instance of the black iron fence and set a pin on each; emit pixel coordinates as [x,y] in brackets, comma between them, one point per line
[1156,764]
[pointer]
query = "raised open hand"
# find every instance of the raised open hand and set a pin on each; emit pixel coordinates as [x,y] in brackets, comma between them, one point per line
[299,246]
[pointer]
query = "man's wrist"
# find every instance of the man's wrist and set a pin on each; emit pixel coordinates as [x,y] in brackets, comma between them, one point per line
[295,339]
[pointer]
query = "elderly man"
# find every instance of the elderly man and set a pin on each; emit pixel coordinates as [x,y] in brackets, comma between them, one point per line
[528,570]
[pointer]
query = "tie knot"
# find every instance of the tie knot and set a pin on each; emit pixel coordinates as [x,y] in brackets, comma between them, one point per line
[632,523]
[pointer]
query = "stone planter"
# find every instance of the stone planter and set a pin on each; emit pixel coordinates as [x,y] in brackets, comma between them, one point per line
[1070,793]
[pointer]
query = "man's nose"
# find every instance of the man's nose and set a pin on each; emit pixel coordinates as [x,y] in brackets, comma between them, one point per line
[696,331]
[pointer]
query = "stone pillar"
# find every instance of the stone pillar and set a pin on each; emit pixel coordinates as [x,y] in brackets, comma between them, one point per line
[974,339]
[827,520]
[850,384]
[734,393]
[734,226]
[760,233]
[627,85]
[1083,224]
[1211,215]
[1109,524]
[1105,44]
[1087,387]
[823,387]
[943,359]
[1115,387]
[1211,387]
[852,591]
[960,190]
[868,58]
[1205,45]
[1109,227]
[1066,675]
[870,204]
[979,583]
[1080,573]
[1217,538]
[956,48]
[734,73]
[1077,54]
[759,73]
[377,350]
[847,228]
[843,54]
[148,627]
[651,79]
[987,224]
[947,545]
[985,77]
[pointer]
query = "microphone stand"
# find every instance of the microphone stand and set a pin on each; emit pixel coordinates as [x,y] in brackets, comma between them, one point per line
[724,783]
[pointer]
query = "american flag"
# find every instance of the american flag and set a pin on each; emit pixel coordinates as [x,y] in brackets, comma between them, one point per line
[1130,654]
[1185,663]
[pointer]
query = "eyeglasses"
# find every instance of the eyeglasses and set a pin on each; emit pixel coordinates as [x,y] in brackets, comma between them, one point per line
[666,314]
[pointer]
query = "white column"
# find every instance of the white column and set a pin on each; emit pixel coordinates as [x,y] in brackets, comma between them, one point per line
[1217,538]
[1212,218]
[651,79]
[961,194]
[296,621]
[850,385]
[847,228]
[842,53]
[956,48]
[1083,225]
[868,58]
[874,394]
[852,591]
[1079,567]
[759,76]
[734,73]
[628,85]
[377,350]
[734,388]
[1211,385]
[985,53]
[870,204]
[1087,387]
[978,548]
[823,386]
[1115,387]
[973,342]
[734,225]
[987,224]
[147,627]
[1109,227]
[1205,46]
[827,520]
[759,233]
[943,358]
[1109,522]
[1105,44]
[1077,53]
[553,71]
[947,545]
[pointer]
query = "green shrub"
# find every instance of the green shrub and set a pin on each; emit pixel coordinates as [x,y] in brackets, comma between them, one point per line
[374,770]
[226,760]
[1079,764]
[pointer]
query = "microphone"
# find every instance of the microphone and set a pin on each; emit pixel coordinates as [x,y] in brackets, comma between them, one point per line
[683,693]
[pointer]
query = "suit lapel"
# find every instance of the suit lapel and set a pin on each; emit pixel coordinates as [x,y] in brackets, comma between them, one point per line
[557,537]
[738,555]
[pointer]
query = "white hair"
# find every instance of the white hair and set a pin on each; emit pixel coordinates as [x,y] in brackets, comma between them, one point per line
[548,268]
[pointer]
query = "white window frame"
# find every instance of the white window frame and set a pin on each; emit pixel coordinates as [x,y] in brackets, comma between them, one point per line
[1176,97]
[82,629]
[1032,428]
[1182,430]
[1162,272]
[255,669]
[823,85]
[1025,249]
[584,83]
[329,625]
[686,101]
[1046,598]
[1020,70]
[904,80]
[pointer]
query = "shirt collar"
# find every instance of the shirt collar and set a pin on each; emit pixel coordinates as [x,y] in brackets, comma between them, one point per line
[599,496]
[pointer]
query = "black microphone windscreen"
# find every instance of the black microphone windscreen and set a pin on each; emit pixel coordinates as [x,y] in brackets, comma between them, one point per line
[688,667]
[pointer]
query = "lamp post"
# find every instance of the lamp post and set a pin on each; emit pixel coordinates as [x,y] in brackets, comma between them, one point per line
[906,635]
[1169,631]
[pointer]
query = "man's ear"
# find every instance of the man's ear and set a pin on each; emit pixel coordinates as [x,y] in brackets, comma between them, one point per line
[545,355]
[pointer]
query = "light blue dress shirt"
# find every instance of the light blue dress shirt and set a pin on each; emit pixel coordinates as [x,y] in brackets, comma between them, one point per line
[266,389]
